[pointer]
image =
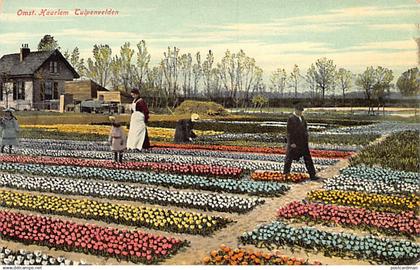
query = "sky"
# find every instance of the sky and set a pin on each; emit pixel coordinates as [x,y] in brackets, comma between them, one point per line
[277,33]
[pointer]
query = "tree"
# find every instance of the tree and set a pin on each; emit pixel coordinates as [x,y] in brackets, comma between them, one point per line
[366,81]
[185,61]
[77,63]
[310,78]
[143,60]
[228,68]
[116,70]
[208,73]
[278,81]
[324,75]
[127,74]
[409,82]
[99,68]
[170,67]
[344,80]
[294,79]
[197,71]
[248,74]
[238,73]
[383,84]
[48,43]
[376,84]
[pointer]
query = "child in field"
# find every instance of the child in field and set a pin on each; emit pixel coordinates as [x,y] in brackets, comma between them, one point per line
[9,129]
[117,140]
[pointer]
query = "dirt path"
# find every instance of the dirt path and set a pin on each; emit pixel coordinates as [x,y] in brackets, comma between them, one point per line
[262,215]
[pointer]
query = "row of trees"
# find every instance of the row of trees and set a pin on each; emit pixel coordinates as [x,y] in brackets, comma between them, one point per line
[236,76]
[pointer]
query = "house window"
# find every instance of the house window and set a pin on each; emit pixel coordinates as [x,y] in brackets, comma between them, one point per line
[53,67]
[19,90]
[55,91]
[48,91]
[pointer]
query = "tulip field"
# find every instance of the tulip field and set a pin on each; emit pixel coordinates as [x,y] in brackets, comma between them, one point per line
[63,201]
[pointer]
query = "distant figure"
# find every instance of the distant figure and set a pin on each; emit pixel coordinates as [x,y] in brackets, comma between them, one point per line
[297,142]
[117,140]
[137,134]
[9,129]
[184,129]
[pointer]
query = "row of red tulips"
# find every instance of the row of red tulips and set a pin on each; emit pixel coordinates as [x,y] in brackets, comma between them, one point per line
[195,169]
[279,176]
[406,222]
[266,150]
[135,246]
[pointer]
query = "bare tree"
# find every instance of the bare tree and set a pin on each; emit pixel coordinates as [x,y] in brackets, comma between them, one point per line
[127,67]
[185,62]
[197,71]
[208,73]
[143,60]
[228,68]
[325,75]
[375,83]
[294,79]
[278,81]
[310,78]
[409,84]
[384,77]
[344,80]
[170,67]
[116,70]
[250,76]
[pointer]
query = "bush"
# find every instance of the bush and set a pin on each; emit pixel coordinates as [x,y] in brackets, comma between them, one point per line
[200,107]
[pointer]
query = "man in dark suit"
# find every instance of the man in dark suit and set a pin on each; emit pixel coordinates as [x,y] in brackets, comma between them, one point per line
[297,142]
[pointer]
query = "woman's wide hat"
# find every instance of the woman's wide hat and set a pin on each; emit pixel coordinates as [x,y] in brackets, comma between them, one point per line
[8,110]
[195,117]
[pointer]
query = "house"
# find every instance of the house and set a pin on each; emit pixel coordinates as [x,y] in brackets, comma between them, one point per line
[83,89]
[34,80]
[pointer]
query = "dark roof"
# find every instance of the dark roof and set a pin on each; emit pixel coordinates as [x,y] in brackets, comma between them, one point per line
[11,65]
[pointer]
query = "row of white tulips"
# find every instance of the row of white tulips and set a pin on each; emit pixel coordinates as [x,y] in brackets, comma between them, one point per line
[123,191]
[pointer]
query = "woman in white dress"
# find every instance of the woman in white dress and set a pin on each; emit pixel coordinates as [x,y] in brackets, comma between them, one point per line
[137,134]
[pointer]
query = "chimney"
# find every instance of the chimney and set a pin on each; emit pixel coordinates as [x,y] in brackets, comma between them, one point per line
[24,51]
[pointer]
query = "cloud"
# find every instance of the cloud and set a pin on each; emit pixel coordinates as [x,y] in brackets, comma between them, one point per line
[16,38]
[99,35]
[357,13]
[397,27]
[407,44]
[331,21]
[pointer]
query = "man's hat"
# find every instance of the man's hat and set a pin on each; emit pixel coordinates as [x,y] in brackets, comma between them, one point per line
[298,106]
